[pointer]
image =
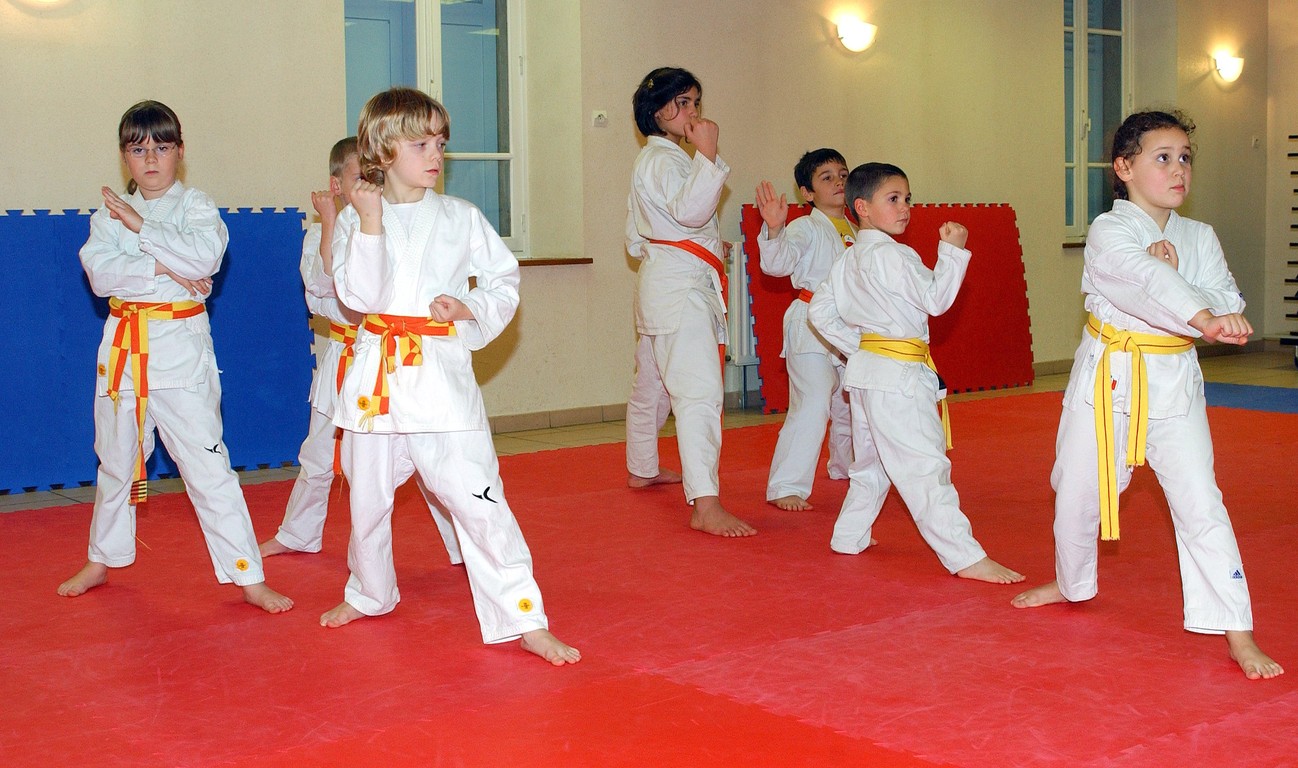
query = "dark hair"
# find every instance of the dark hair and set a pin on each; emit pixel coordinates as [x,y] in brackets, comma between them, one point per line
[656,91]
[1126,140]
[147,120]
[343,150]
[865,180]
[809,163]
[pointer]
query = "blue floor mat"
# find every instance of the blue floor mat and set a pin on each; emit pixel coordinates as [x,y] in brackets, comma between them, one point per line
[1252,398]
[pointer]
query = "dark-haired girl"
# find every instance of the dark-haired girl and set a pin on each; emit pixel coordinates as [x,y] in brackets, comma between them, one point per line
[152,253]
[680,302]
[1153,282]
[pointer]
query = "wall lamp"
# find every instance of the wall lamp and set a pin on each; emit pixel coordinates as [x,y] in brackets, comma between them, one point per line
[1229,68]
[854,34]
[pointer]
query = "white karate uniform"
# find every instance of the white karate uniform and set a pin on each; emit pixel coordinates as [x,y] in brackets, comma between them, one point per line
[308,504]
[183,231]
[679,313]
[1130,290]
[437,425]
[881,286]
[804,251]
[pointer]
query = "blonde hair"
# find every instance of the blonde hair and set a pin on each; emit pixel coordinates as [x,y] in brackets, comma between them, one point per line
[393,115]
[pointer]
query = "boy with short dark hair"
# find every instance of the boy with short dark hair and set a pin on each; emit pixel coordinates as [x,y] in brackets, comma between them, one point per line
[803,251]
[884,295]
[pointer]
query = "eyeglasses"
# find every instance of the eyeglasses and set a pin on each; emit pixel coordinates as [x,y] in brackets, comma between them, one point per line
[160,151]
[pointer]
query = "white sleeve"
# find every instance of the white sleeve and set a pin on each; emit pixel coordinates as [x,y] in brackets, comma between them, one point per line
[933,291]
[690,198]
[780,256]
[112,270]
[494,298]
[317,283]
[824,317]
[193,247]
[364,270]
[1138,284]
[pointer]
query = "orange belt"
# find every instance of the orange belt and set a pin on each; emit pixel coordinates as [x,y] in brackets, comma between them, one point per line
[346,335]
[805,295]
[709,258]
[401,339]
[132,341]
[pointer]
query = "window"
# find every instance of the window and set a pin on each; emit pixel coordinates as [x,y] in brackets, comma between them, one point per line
[1096,99]
[467,54]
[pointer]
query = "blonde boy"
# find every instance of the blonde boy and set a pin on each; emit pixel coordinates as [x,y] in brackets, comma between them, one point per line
[308,504]
[403,256]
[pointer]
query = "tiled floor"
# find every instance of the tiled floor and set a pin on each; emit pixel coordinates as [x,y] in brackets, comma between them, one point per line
[1273,367]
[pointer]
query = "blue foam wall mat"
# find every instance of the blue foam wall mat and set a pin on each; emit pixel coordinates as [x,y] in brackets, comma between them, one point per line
[53,324]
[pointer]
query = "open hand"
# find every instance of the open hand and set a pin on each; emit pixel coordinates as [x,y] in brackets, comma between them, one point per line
[774,210]
[121,210]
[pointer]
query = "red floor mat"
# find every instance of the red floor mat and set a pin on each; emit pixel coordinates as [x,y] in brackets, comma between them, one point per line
[698,651]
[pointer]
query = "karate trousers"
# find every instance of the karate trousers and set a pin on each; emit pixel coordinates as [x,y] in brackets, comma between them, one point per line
[1179,450]
[684,365]
[461,471]
[302,529]
[189,422]
[897,439]
[816,399]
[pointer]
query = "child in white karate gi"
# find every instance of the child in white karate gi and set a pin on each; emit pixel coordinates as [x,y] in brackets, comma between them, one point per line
[804,250]
[153,254]
[680,298]
[320,457]
[403,256]
[875,307]
[1153,282]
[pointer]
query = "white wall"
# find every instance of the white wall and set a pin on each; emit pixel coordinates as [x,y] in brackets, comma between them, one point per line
[257,87]
[1282,122]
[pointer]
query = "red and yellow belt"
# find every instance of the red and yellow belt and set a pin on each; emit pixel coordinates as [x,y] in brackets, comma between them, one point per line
[131,342]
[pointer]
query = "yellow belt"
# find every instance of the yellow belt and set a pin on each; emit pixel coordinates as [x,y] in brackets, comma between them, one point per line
[908,351]
[401,340]
[131,341]
[1138,345]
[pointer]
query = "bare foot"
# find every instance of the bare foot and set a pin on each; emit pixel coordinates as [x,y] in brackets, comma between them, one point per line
[272,546]
[549,647]
[266,598]
[1046,594]
[90,576]
[791,503]
[1256,665]
[340,614]
[990,571]
[664,477]
[710,517]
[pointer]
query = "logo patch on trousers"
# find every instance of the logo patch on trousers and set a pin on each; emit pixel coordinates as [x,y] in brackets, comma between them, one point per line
[1237,575]
[525,605]
[484,495]
[241,565]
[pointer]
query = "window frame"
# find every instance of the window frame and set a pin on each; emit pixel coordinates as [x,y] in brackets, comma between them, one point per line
[428,71]
[1085,134]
